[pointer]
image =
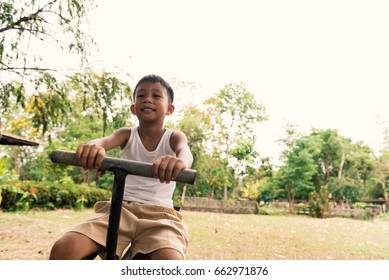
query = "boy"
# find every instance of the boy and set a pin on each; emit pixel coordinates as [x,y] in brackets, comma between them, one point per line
[148,221]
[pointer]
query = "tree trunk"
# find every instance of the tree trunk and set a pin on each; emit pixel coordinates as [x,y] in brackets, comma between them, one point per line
[17,161]
[384,192]
[225,192]
[87,176]
[326,171]
[340,180]
[212,191]
[183,195]
[225,189]
[235,188]
[290,199]
[341,166]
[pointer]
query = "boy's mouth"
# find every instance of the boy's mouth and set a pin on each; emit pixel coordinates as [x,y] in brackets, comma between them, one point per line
[147,109]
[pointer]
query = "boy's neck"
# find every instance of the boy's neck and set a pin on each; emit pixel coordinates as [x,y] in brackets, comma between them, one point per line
[151,131]
[150,136]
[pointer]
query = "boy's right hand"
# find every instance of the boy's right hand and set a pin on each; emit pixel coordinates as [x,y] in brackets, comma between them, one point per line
[90,156]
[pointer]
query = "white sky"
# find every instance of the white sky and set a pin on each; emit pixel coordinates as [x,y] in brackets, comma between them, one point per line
[316,64]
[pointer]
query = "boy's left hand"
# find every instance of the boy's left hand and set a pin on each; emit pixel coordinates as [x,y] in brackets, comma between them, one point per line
[167,168]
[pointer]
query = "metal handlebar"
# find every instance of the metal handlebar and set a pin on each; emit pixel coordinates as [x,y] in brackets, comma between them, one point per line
[129,166]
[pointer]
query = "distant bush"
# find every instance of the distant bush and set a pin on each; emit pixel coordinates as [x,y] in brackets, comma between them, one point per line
[319,203]
[25,195]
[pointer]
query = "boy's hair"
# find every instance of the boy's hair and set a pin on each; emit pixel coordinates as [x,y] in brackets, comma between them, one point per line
[157,79]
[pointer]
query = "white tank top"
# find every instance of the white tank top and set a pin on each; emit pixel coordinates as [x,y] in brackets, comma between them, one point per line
[142,189]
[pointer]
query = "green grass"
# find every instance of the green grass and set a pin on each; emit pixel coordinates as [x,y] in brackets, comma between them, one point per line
[219,236]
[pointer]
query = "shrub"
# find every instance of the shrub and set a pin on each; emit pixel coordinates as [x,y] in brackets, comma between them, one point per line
[319,203]
[24,195]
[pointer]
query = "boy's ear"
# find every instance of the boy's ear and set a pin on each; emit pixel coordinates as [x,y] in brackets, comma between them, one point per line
[170,109]
[132,108]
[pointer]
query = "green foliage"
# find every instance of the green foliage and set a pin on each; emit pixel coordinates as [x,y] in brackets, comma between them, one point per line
[4,176]
[360,204]
[319,202]
[3,161]
[195,123]
[296,176]
[11,93]
[323,157]
[104,96]
[9,189]
[345,190]
[220,138]
[24,24]
[234,114]
[25,195]
[24,27]
[81,202]
[50,106]
[88,105]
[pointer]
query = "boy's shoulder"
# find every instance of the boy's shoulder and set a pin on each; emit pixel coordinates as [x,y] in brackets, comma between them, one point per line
[177,133]
[122,135]
[177,137]
[123,131]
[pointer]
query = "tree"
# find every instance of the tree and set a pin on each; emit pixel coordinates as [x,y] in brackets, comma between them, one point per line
[234,114]
[243,156]
[103,107]
[257,179]
[382,167]
[354,172]
[27,28]
[211,175]
[24,25]
[300,168]
[332,151]
[323,158]
[345,166]
[383,173]
[103,95]
[195,124]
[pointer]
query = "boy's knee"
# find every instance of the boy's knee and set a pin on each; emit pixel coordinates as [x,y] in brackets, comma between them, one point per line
[56,250]
[166,254]
[65,248]
[73,246]
[61,249]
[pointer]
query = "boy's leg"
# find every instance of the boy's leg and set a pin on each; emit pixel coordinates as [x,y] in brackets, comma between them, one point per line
[74,246]
[166,254]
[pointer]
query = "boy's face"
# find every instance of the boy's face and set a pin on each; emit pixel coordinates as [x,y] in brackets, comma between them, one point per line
[151,102]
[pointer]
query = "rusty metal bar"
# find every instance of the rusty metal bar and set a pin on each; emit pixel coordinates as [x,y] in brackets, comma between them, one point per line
[130,166]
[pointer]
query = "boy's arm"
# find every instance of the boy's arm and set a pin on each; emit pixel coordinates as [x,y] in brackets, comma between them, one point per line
[180,146]
[91,155]
[167,168]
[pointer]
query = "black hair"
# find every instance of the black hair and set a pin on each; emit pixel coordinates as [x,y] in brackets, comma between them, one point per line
[157,79]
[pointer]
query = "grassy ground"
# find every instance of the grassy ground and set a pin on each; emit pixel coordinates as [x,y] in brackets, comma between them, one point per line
[215,236]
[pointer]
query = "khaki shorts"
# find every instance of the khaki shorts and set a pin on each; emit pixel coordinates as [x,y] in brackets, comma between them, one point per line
[145,228]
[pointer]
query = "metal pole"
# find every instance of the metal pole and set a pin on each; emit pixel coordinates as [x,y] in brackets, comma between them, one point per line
[115,212]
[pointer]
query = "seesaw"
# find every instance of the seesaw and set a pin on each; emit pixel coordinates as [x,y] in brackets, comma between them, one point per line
[120,168]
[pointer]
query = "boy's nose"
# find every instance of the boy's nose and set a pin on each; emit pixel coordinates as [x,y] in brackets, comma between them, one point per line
[147,99]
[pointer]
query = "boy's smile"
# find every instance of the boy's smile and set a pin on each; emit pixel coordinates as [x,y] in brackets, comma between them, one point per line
[147,109]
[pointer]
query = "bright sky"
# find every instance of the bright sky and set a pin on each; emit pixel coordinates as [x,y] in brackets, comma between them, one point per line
[315,64]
